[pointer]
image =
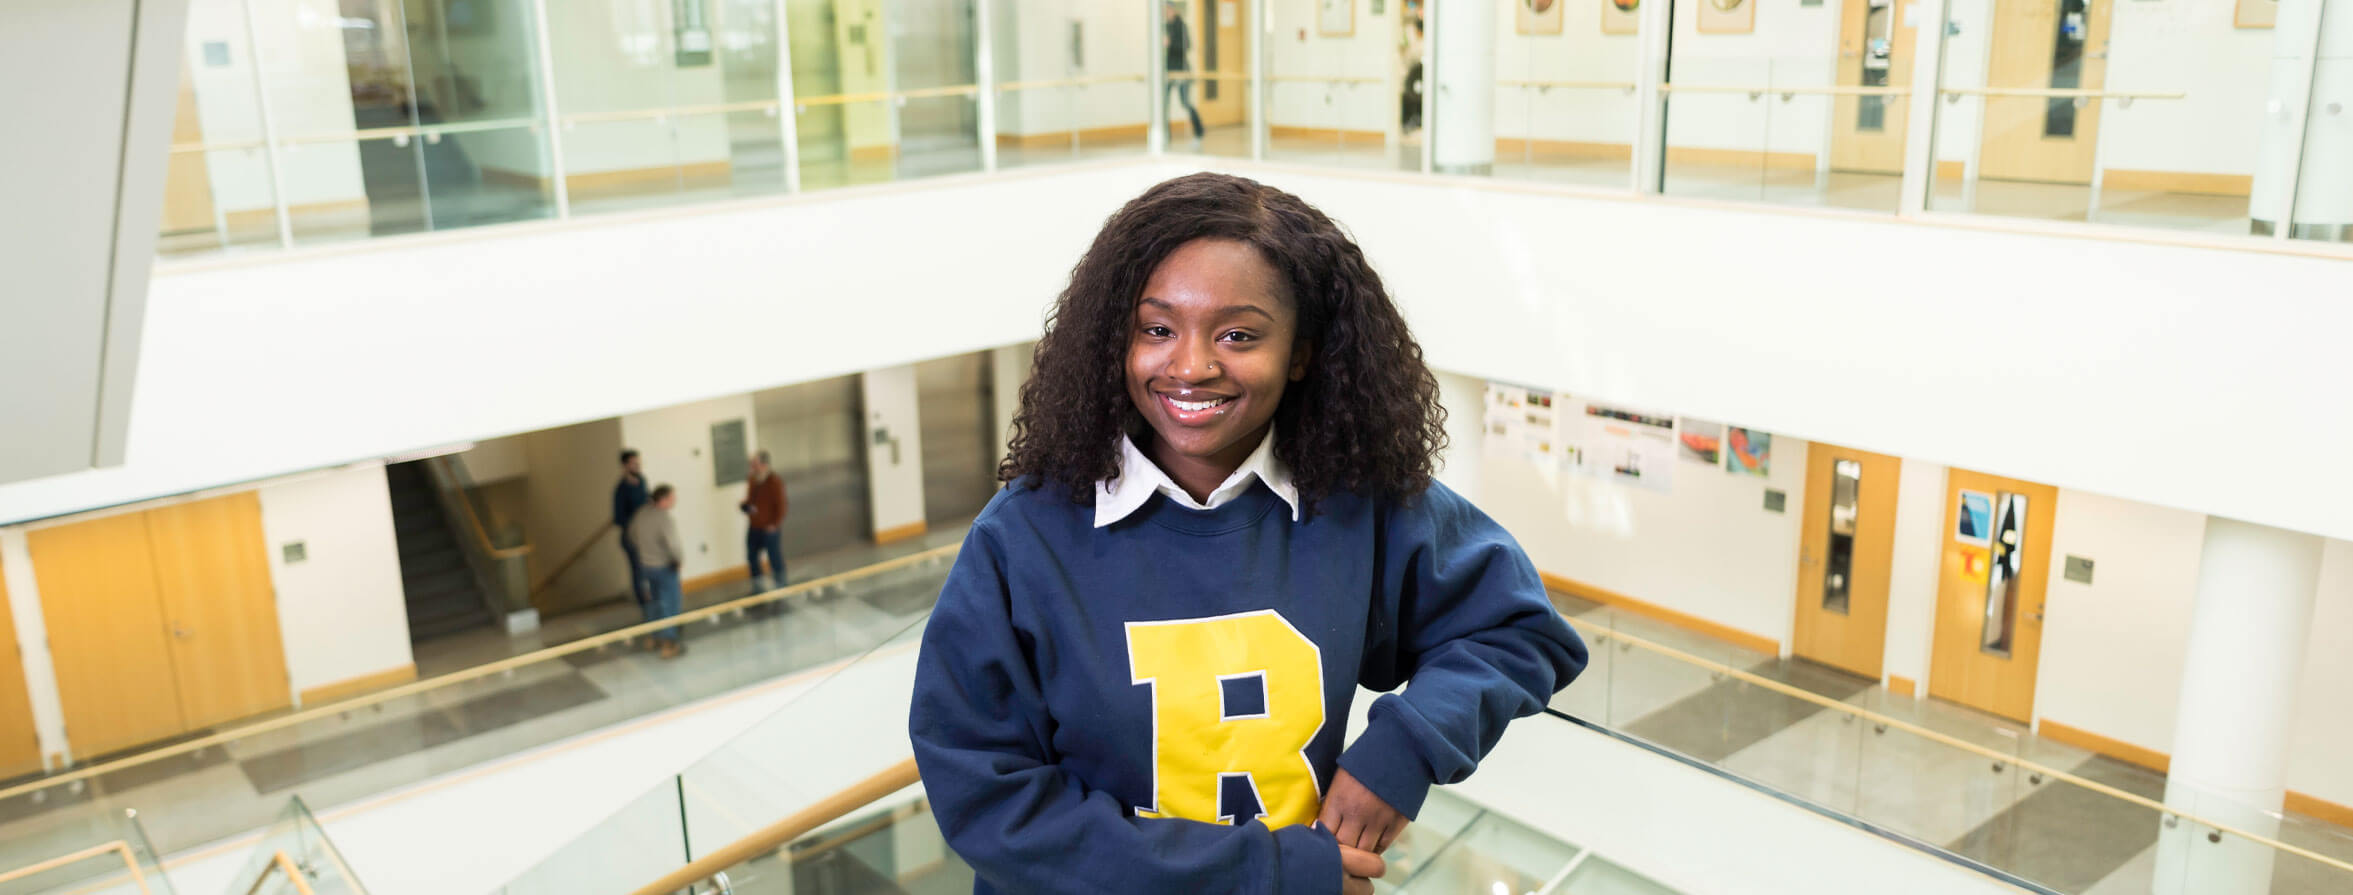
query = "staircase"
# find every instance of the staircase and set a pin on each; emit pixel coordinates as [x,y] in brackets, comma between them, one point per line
[442,593]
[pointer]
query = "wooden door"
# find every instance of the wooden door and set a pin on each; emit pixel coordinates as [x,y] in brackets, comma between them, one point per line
[1221,45]
[20,746]
[187,183]
[1989,599]
[213,575]
[1874,50]
[107,637]
[2042,44]
[1844,556]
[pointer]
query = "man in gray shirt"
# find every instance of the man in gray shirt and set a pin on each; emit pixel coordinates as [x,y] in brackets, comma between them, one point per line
[654,532]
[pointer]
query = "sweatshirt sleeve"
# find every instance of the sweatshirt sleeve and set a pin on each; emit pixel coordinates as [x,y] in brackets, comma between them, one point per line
[982,737]
[1473,637]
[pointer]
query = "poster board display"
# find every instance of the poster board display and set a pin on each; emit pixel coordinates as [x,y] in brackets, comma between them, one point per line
[1526,423]
[1699,441]
[1748,452]
[1630,447]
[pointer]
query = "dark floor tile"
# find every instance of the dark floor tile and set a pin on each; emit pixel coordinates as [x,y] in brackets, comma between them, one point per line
[1732,715]
[293,766]
[116,782]
[2068,837]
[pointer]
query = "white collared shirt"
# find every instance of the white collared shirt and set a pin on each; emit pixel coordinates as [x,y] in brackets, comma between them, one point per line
[1139,478]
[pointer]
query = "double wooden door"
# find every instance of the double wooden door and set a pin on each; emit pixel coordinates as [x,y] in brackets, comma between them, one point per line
[1221,45]
[1989,602]
[20,747]
[1845,555]
[160,621]
[2054,45]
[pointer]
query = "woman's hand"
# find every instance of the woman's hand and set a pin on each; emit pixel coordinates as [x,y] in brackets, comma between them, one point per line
[1358,869]
[1358,818]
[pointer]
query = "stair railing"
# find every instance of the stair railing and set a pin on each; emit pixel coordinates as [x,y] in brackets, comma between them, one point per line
[504,571]
[532,597]
[118,847]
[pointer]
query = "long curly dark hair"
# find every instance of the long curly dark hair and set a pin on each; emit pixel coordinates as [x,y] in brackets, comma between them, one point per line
[1366,418]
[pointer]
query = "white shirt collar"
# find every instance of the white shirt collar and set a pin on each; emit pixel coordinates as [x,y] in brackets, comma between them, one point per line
[1139,478]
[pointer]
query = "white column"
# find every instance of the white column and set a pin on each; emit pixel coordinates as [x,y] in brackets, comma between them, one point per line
[2248,629]
[893,439]
[985,75]
[1462,77]
[2308,124]
[1156,140]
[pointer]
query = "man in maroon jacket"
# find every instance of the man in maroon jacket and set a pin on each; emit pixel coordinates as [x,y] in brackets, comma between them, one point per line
[764,502]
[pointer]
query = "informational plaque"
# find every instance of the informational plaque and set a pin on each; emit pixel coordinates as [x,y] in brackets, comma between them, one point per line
[729,452]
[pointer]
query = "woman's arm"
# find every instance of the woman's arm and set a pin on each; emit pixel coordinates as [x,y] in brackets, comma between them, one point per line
[1472,635]
[981,732]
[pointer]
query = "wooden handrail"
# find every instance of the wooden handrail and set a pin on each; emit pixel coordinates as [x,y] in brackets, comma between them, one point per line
[473,521]
[1791,90]
[568,562]
[1068,82]
[1572,85]
[781,833]
[117,847]
[1957,743]
[2063,92]
[282,864]
[477,672]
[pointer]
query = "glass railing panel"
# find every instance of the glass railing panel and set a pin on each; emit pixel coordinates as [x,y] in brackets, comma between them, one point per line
[217,199]
[2209,849]
[2085,112]
[1565,107]
[1491,854]
[1597,876]
[636,844]
[2324,183]
[1719,115]
[1073,119]
[295,857]
[108,853]
[332,755]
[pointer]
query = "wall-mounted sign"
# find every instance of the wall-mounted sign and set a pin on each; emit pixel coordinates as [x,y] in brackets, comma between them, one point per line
[730,452]
[1974,522]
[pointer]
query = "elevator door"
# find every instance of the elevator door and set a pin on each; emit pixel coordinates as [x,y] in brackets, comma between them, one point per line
[1874,50]
[810,431]
[2044,45]
[955,408]
[1989,601]
[1844,556]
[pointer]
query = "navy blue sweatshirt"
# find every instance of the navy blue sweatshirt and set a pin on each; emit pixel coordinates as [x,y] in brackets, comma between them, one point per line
[1159,705]
[628,495]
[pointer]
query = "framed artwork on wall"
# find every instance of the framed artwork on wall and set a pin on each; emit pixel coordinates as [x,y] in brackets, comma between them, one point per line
[1537,16]
[1620,16]
[1335,18]
[1727,16]
[2256,14]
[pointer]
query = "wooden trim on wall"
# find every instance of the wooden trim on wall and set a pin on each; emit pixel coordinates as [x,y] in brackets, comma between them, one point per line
[2300,803]
[1950,169]
[1740,158]
[1656,612]
[267,218]
[2113,748]
[2193,182]
[737,572]
[1323,133]
[1897,683]
[390,677]
[1523,146]
[1050,139]
[2341,815]
[900,533]
[881,153]
[630,180]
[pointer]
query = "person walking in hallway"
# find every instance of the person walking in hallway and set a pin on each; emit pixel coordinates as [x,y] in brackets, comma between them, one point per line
[1179,44]
[764,501]
[628,496]
[654,532]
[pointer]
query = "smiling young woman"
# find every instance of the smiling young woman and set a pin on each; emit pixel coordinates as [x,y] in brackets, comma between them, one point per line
[1219,521]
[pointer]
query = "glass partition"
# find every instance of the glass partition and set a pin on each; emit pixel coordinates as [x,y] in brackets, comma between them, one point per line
[2148,115]
[1335,86]
[2046,813]
[1072,81]
[295,857]
[237,780]
[108,852]
[1565,107]
[1206,50]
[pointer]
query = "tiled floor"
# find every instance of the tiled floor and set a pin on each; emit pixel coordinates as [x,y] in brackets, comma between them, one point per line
[2073,839]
